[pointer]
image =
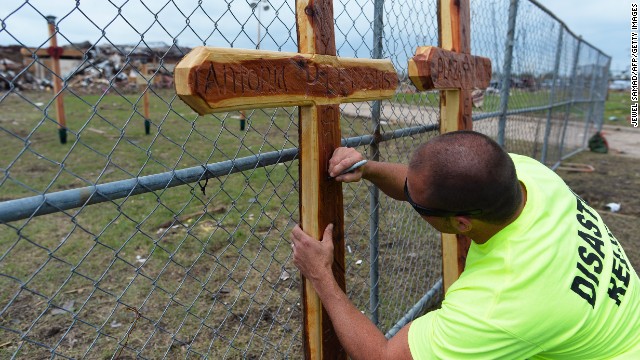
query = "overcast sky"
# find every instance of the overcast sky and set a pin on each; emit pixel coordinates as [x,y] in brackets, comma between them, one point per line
[604,23]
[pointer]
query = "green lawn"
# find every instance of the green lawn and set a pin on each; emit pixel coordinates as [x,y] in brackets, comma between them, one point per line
[212,280]
[206,272]
[194,246]
[618,105]
[518,99]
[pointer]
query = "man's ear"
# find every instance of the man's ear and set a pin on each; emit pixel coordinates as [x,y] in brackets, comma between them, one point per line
[461,223]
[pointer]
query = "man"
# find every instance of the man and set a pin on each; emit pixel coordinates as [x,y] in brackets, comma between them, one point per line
[545,278]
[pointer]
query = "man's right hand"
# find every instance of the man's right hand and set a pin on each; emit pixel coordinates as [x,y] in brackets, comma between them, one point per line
[341,160]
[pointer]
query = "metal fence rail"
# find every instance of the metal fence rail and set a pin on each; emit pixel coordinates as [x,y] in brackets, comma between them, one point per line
[155,233]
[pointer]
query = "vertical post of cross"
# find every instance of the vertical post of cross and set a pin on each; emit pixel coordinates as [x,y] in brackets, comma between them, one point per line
[454,26]
[145,100]
[454,23]
[320,198]
[56,52]
[455,72]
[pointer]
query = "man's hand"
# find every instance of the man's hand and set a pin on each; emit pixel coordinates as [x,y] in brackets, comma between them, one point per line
[359,336]
[312,257]
[341,160]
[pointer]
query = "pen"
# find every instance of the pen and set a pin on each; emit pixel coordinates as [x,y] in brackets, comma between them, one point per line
[352,168]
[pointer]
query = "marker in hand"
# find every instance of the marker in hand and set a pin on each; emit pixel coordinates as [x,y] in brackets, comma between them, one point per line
[352,168]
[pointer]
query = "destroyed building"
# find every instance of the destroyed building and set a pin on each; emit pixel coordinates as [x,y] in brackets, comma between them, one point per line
[90,68]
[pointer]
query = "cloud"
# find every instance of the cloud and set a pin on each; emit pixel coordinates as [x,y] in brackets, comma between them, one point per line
[606,25]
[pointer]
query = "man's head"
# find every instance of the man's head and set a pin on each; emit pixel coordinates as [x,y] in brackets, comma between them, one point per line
[464,173]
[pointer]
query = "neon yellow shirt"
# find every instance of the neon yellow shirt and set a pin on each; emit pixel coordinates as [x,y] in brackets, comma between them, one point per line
[554,284]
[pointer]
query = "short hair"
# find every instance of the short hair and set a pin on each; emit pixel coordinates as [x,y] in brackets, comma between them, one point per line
[464,171]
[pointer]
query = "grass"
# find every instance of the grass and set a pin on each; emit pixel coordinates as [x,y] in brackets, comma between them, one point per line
[618,106]
[617,103]
[191,242]
[208,274]
[518,99]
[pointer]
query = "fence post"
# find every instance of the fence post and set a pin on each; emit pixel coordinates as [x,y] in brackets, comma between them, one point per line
[552,97]
[589,119]
[374,192]
[568,107]
[605,86]
[506,71]
[55,52]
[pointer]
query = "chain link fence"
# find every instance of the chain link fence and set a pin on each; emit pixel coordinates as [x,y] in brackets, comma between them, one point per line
[152,232]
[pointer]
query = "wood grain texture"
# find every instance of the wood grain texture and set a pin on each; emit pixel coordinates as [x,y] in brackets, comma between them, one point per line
[316,31]
[454,24]
[145,97]
[216,80]
[43,53]
[57,83]
[434,68]
[455,114]
[321,204]
[320,198]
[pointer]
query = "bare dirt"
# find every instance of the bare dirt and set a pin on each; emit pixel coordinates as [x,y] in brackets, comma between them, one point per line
[624,141]
[615,179]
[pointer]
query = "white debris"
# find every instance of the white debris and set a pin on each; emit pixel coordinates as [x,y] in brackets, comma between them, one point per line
[285,275]
[614,207]
[115,324]
[66,307]
[358,262]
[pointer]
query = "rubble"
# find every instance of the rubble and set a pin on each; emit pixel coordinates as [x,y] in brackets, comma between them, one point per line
[88,69]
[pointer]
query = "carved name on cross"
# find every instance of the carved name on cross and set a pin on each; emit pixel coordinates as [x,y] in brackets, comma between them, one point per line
[216,80]
[434,68]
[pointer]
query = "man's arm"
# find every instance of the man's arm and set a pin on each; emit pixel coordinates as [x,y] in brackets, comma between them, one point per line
[359,336]
[388,177]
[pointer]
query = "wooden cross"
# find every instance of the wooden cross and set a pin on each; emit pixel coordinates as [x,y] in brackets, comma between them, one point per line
[455,72]
[56,52]
[216,80]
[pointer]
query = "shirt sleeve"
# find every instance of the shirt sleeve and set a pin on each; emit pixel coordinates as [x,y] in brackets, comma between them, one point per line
[455,334]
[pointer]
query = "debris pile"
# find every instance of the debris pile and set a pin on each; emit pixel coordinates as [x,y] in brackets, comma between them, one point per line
[88,68]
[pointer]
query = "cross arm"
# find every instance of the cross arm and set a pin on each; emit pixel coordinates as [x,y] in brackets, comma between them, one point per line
[216,79]
[434,68]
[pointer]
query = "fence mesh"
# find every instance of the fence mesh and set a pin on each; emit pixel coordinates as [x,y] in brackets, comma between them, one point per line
[156,233]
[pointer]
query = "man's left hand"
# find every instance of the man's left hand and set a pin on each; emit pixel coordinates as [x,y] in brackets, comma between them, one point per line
[312,257]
